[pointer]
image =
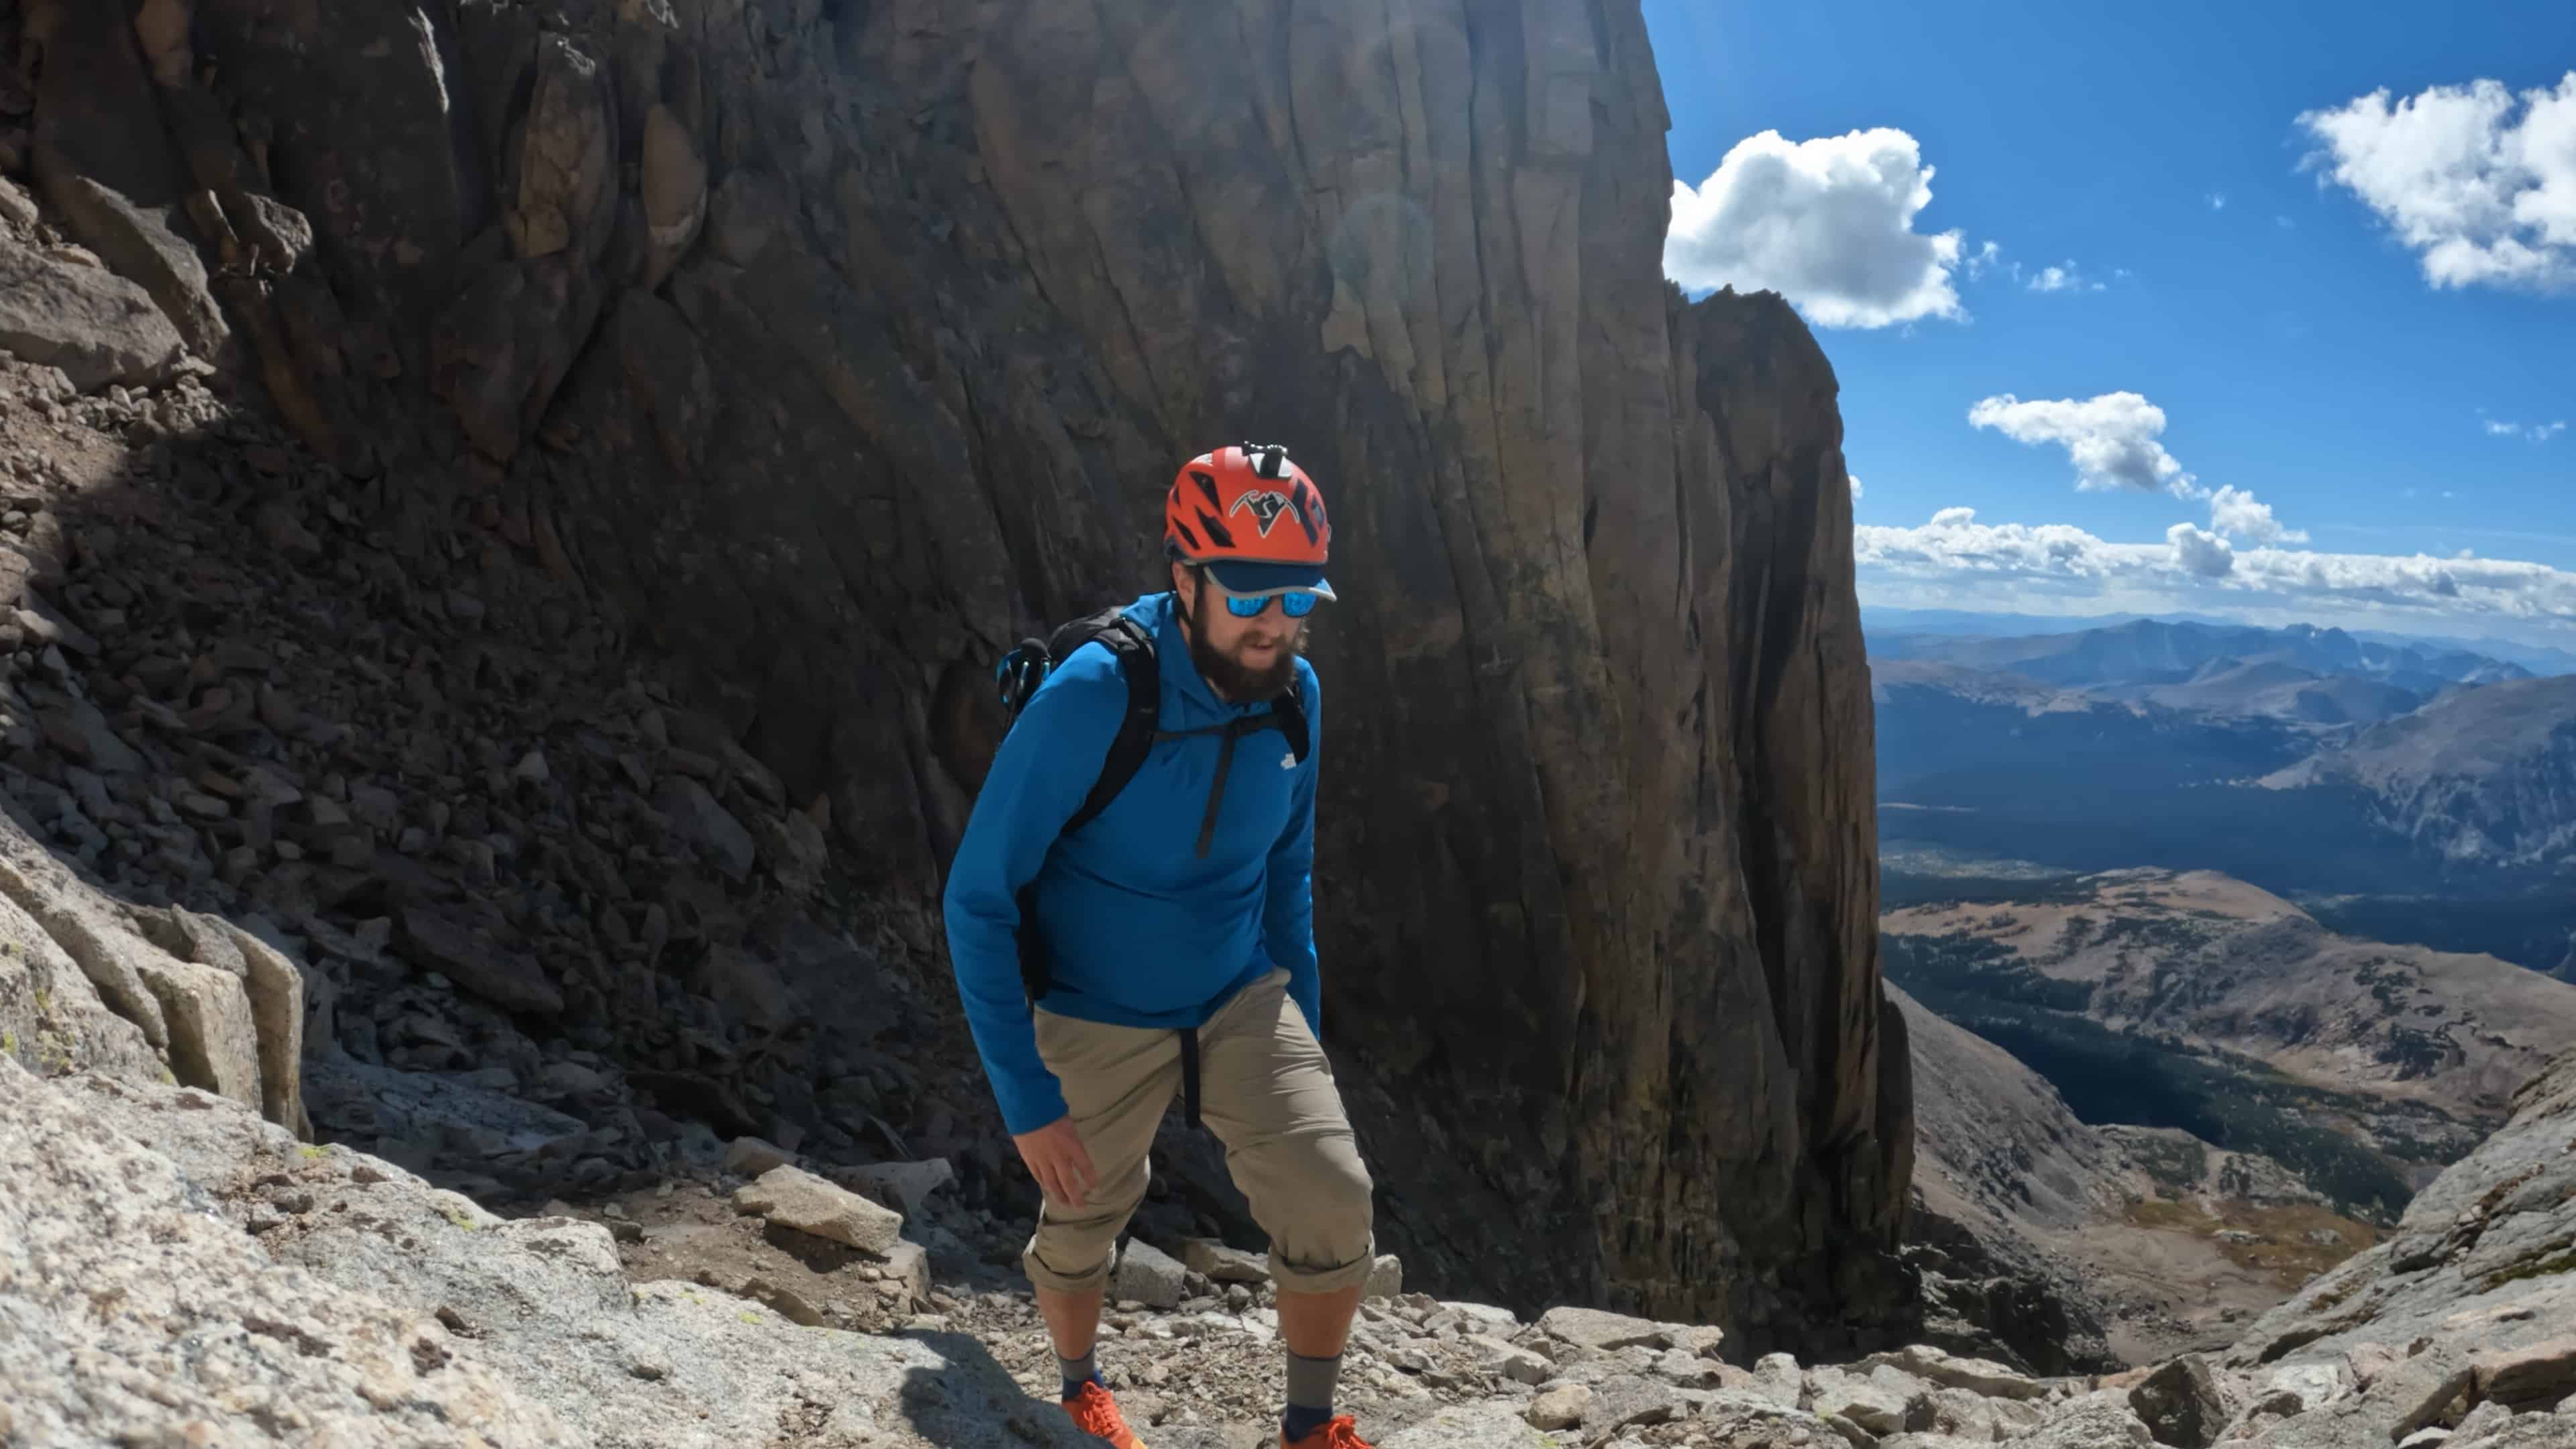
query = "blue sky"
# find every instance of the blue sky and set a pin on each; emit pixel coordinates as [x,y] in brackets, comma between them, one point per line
[2372,344]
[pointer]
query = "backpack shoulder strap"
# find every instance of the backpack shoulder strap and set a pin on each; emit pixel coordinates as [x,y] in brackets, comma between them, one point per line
[1134,647]
[1291,710]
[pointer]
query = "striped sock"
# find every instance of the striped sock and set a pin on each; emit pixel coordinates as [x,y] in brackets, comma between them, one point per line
[1310,1394]
[1079,1371]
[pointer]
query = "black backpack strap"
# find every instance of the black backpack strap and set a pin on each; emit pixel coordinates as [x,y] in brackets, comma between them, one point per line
[1291,709]
[1134,647]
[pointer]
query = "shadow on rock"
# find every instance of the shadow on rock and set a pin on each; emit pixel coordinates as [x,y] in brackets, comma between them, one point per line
[974,1403]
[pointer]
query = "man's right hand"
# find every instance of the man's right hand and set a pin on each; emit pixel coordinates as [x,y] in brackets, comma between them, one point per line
[1058,1160]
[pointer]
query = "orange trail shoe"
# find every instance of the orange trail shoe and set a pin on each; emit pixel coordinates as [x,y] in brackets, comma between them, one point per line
[1339,1432]
[1096,1414]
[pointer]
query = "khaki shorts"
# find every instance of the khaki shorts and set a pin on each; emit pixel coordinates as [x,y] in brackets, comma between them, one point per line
[1267,1092]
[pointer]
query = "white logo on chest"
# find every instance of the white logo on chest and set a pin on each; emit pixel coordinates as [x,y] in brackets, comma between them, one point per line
[1288,761]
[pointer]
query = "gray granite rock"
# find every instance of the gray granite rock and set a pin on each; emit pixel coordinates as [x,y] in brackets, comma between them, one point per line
[794,1198]
[1146,1274]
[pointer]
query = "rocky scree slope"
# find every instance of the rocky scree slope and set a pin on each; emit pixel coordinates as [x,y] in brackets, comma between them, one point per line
[2467,1311]
[2059,1245]
[826,349]
[178,1270]
[539,914]
[1999,1162]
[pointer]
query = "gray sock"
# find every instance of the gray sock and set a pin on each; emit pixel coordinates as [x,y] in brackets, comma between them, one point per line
[1310,1393]
[1078,1371]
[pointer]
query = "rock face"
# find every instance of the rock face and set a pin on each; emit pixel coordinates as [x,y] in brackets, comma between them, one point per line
[2004,1172]
[135,1312]
[2467,1304]
[695,305]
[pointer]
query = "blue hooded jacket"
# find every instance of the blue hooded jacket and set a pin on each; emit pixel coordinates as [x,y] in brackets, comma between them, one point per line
[1140,930]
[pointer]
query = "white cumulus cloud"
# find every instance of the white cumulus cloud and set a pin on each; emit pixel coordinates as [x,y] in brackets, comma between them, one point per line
[2480,183]
[1827,223]
[2235,513]
[2201,553]
[2111,438]
[2198,551]
[1956,557]
[2218,201]
[1855,483]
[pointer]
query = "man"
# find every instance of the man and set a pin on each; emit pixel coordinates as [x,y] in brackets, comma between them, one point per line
[1177,935]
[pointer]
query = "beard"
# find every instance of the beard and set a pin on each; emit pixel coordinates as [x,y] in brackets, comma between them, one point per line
[1233,679]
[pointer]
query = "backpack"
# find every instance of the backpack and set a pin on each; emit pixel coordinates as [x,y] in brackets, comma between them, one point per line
[1023,669]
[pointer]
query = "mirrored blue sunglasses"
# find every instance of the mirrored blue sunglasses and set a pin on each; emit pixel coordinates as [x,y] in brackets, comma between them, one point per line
[1296,604]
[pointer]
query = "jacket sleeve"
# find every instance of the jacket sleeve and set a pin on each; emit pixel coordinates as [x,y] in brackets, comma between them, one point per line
[1288,914]
[1045,766]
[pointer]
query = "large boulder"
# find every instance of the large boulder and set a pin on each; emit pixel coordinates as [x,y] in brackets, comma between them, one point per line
[1146,1274]
[1595,1329]
[152,994]
[1977,1375]
[51,1018]
[96,326]
[2181,1404]
[2533,1377]
[794,1198]
[103,158]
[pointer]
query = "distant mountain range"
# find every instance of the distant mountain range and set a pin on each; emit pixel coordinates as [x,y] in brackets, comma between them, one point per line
[1884,624]
[2409,790]
[2242,889]
[2484,778]
[1876,621]
[2301,673]
[2538,658]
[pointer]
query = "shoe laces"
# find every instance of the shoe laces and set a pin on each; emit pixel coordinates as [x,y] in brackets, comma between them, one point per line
[1340,1432]
[1095,1412]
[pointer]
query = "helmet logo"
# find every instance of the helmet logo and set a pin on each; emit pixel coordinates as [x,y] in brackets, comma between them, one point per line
[1266,506]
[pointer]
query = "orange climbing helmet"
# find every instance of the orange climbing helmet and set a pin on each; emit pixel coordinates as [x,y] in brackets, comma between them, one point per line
[1252,518]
